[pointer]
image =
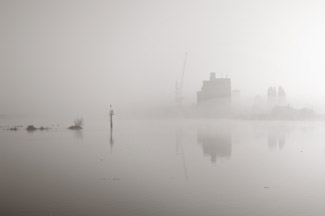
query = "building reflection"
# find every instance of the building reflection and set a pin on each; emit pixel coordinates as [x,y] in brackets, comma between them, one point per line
[111,140]
[216,143]
[276,139]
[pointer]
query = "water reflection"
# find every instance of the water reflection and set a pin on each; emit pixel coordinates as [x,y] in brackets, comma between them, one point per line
[111,140]
[216,143]
[276,138]
[78,134]
[275,142]
[180,149]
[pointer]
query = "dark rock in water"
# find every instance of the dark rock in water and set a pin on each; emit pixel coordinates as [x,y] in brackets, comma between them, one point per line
[75,127]
[44,128]
[31,128]
[12,128]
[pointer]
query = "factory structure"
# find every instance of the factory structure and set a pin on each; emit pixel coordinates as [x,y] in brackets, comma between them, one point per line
[217,99]
[214,98]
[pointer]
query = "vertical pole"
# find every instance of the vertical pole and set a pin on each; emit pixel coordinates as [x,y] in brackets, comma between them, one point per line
[111,113]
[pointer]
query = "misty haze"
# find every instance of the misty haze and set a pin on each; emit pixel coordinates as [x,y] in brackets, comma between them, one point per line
[121,108]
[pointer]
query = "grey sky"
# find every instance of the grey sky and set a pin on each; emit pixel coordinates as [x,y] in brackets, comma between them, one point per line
[62,55]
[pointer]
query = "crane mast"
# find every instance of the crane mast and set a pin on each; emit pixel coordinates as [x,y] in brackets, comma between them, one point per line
[179,86]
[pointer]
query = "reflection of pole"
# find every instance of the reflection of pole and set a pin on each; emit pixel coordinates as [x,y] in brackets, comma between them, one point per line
[111,120]
[111,141]
[111,113]
[180,150]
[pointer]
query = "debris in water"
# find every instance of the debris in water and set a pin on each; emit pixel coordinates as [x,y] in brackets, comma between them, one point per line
[78,123]
[31,128]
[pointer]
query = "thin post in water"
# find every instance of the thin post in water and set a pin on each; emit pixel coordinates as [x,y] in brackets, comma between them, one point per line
[111,113]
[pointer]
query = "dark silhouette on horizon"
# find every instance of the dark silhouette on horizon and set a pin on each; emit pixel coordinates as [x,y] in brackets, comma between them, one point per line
[214,98]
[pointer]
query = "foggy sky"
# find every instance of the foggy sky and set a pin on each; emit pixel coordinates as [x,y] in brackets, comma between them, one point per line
[62,56]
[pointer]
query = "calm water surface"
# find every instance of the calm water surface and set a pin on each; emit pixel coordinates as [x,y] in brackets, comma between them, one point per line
[165,167]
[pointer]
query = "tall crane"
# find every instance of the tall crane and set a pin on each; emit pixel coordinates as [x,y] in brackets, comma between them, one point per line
[179,85]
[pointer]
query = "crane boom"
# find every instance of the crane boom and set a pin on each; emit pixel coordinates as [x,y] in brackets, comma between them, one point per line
[179,86]
[183,72]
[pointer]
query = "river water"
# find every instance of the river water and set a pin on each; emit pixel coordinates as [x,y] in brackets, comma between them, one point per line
[165,167]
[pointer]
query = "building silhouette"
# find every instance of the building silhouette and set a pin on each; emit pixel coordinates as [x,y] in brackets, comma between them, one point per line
[276,97]
[214,98]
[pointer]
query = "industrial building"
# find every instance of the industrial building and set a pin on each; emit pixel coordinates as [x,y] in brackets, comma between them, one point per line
[214,98]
